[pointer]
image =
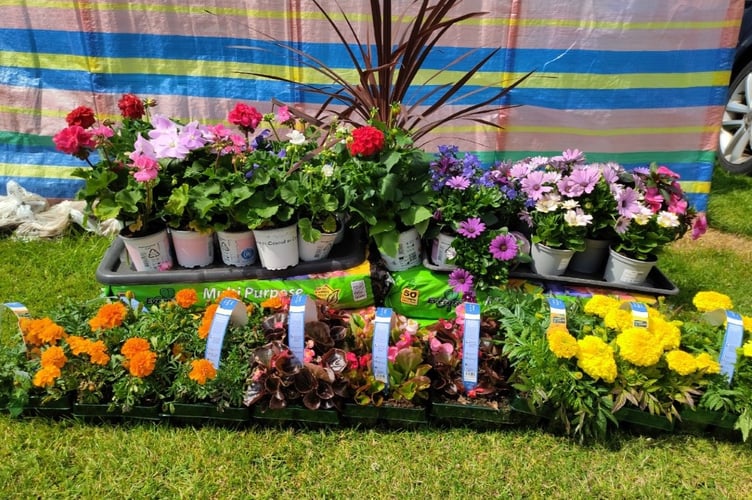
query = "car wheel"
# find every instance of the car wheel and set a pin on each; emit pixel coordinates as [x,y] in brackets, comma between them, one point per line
[735,139]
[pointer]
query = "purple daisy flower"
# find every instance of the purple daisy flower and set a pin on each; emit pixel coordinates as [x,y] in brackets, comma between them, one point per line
[458,182]
[461,281]
[471,228]
[504,247]
[627,203]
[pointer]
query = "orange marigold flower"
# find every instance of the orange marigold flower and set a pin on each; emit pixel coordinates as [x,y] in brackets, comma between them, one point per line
[46,376]
[202,370]
[98,353]
[206,321]
[54,356]
[42,331]
[272,303]
[186,297]
[78,345]
[109,316]
[228,294]
[142,363]
[133,346]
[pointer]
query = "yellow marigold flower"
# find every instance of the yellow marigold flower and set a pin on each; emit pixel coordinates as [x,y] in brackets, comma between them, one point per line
[707,364]
[596,358]
[710,301]
[665,333]
[142,363]
[109,316]
[206,321]
[201,371]
[618,319]
[54,356]
[681,362]
[186,297]
[46,376]
[600,305]
[639,347]
[78,345]
[98,353]
[133,346]
[747,349]
[747,322]
[560,341]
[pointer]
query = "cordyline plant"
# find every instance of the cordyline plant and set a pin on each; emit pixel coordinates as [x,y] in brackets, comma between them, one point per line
[388,62]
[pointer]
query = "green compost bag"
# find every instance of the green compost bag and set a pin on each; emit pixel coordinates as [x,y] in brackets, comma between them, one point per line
[422,294]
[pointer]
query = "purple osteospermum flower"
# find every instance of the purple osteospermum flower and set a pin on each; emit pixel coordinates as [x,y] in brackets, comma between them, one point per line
[471,228]
[504,247]
[622,224]
[533,185]
[458,182]
[461,281]
[627,203]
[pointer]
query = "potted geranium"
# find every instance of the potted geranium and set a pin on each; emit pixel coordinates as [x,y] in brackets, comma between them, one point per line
[387,172]
[653,211]
[123,181]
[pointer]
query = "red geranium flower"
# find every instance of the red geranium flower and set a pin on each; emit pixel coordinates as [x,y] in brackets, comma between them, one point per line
[82,116]
[74,140]
[245,117]
[131,107]
[366,141]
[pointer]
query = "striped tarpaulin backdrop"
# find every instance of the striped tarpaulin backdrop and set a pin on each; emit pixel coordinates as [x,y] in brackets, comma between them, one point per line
[631,81]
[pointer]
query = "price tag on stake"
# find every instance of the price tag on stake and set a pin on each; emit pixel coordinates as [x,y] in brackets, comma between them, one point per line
[639,313]
[380,347]
[302,310]
[470,346]
[229,310]
[558,311]
[732,340]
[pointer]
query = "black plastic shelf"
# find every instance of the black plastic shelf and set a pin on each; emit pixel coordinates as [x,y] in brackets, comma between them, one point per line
[112,270]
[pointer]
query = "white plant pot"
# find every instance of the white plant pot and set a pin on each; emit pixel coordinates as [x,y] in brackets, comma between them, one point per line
[622,269]
[150,252]
[548,261]
[193,248]
[408,253]
[591,260]
[278,247]
[319,249]
[442,251]
[238,248]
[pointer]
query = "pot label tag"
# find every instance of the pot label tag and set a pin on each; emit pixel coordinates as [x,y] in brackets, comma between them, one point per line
[229,310]
[639,313]
[558,311]
[470,346]
[20,311]
[382,330]
[732,340]
[302,310]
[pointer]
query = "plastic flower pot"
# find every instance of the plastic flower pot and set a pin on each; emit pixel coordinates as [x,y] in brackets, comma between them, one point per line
[643,420]
[206,413]
[100,412]
[473,415]
[296,415]
[38,406]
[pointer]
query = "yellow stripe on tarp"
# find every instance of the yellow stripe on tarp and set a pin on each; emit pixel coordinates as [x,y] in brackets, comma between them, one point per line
[233,69]
[600,132]
[487,20]
[42,171]
[702,187]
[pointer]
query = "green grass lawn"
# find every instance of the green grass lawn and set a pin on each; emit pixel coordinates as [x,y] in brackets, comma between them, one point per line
[66,459]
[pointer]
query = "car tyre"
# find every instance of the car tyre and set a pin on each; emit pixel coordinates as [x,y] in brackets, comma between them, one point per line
[735,139]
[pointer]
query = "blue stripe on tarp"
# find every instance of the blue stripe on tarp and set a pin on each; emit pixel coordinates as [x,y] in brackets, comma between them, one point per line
[258,90]
[179,47]
[49,187]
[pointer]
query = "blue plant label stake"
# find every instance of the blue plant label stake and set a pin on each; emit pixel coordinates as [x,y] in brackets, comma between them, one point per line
[20,311]
[229,310]
[639,313]
[470,346]
[558,311]
[302,310]
[732,340]
[380,349]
